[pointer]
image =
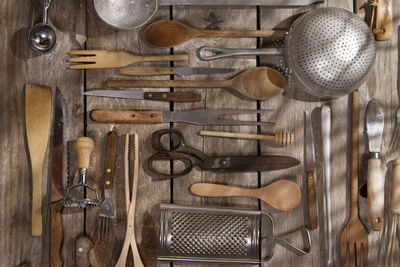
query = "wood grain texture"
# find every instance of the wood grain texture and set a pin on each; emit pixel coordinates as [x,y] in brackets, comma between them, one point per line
[127,116]
[37,121]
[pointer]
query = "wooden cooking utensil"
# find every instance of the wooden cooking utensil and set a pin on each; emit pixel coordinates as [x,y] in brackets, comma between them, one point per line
[168,33]
[37,119]
[281,195]
[98,59]
[258,83]
[354,237]
[280,138]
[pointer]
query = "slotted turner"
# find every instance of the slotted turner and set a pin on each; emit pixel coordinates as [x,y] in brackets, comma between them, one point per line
[99,59]
[354,238]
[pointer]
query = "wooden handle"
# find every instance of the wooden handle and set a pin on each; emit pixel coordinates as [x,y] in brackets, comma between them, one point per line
[84,147]
[282,138]
[111,153]
[395,203]
[354,156]
[312,200]
[127,116]
[83,247]
[163,58]
[240,33]
[148,71]
[37,119]
[56,233]
[384,20]
[179,97]
[169,83]
[376,193]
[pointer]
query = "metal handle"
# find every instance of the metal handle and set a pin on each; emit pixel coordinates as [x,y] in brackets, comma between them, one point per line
[326,147]
[219,52]
[46,5]
[277,3]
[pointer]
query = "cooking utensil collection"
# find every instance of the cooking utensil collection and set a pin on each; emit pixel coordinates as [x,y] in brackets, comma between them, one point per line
[323,63]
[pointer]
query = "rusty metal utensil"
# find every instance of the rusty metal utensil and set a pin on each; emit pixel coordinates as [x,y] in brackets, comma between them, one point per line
[329,51]
[354,238]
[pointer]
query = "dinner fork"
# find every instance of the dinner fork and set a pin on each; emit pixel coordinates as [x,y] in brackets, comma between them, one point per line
[98,59]
[106,209]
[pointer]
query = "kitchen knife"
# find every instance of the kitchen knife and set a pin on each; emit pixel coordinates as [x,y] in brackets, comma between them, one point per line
[157,96]
[375,176]
[148,71]
[58,169]
[310,170]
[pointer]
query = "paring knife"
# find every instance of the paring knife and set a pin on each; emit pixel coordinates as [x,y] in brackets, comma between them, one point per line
[58,170]
[310,170]
[156,96]
[151,71]
[375,176]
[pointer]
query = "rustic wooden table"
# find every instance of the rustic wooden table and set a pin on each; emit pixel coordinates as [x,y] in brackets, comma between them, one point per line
[78,27]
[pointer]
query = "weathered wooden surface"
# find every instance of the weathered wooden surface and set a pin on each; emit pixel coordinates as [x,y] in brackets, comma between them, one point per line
[73,24]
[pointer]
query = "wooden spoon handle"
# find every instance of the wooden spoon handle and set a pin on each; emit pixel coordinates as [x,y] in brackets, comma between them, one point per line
[169,83]
[161,58]
[395,203]
[37,115]
[241,33]
[354,155]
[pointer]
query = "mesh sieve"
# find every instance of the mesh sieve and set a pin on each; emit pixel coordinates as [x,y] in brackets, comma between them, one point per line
[330,51]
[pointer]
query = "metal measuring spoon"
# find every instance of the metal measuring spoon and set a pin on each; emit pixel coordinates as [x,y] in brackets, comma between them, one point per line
[42,37]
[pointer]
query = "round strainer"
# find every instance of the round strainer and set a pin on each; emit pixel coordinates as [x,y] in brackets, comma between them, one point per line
[330,51]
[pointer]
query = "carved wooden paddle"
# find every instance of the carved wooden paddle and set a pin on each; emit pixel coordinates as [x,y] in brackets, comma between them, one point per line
[167,33]
[281,195]
[37,119]
[258,83]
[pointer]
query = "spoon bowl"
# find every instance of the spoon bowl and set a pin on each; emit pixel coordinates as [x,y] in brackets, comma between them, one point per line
[42,38]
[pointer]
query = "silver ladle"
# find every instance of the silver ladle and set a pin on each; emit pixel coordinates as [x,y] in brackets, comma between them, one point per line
[42,37]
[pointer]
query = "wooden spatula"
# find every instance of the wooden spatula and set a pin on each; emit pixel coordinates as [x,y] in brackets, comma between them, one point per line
[282,195]
[37,119]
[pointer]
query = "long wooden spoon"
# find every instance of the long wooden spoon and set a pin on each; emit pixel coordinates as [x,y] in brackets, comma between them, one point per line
[257,83]
[167,33]
[281,195]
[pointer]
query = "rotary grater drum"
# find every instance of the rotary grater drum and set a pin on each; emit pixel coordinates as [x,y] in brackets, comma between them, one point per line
[208,234]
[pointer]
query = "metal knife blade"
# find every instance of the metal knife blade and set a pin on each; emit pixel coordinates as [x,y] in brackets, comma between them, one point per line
[249,163]
[309,145]
[58,179]
[116,93]
[59,143]
[375,124]
[310,170]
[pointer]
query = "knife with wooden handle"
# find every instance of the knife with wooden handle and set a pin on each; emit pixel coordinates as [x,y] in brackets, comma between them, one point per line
[37,119]
[58,179]
[375,177]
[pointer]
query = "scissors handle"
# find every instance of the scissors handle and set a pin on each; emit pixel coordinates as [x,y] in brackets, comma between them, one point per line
[158,157]
[156,140]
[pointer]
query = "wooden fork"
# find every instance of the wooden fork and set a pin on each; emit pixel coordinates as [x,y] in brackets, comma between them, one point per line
[98,59]
[354,238]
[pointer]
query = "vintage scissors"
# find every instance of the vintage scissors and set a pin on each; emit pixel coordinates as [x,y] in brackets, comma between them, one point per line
[191,157]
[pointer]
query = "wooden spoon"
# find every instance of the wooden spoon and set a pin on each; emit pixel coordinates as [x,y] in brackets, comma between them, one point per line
[258,83]
[281,195]
[167,33]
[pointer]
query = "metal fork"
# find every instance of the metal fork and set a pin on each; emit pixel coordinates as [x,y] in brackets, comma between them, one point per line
[106,209]
[97,59]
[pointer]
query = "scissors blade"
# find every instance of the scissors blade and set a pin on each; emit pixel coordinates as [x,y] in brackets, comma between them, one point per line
[248,163]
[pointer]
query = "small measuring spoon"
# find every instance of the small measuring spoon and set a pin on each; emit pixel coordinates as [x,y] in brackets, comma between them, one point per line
[42,37]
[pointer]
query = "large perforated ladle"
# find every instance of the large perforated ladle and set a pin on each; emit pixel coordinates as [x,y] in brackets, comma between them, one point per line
[130,14]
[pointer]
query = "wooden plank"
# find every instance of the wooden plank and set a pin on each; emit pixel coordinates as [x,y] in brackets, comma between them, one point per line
[150,194]
[232,18]
[20,66]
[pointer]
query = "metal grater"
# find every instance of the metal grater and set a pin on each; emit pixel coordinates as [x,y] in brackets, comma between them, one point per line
[213,234]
